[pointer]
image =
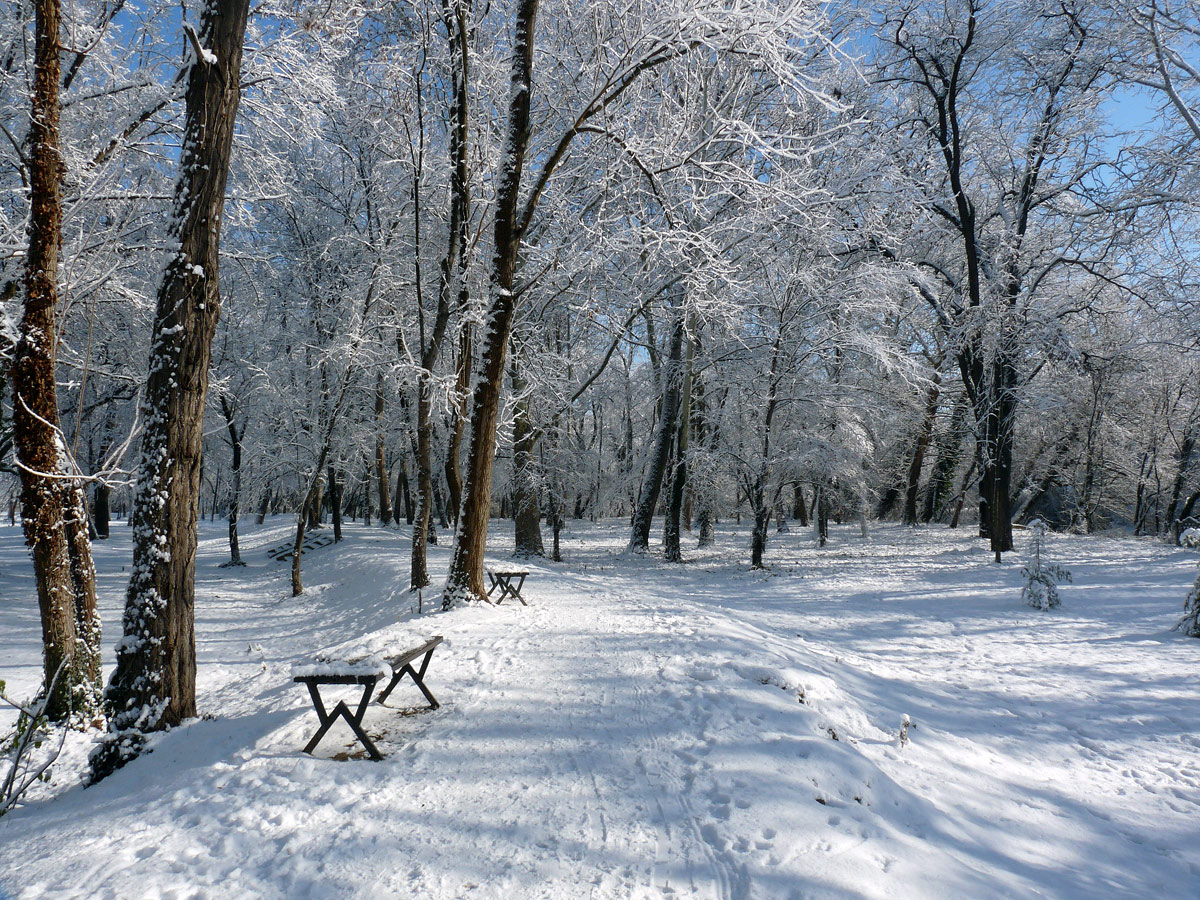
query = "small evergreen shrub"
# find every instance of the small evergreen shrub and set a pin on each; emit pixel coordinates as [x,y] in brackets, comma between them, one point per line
[1190,623]
[1042,578]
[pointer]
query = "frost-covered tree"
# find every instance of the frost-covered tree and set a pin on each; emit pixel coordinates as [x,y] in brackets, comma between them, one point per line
[1005,99]
[154,685]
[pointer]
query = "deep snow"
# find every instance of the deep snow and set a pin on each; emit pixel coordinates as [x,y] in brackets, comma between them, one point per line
[646,730]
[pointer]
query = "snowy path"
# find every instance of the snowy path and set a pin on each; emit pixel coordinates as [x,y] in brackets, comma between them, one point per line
[636,733]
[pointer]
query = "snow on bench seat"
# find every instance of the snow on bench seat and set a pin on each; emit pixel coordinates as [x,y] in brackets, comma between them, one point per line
[372,666]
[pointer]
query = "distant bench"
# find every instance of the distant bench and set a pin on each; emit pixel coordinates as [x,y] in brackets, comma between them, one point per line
[502,580]
[366,672]
[311,542]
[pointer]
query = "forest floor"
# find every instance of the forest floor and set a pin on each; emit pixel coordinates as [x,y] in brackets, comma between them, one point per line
[647,730]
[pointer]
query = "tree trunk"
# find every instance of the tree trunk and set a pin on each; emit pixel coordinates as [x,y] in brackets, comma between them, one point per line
[235,499]
[941,478]
[304,516]
[465,579]
[335,502]
[403,492]
[102,511]
[439,504]
[762,517]
[912,488]
[451,285]
[679,474]
[418,570]
[365,494]
[526,480]
[672,374]
[385,492]
[557,508]
[52,505]
[1004,414]
[458,416]
[316,503]
[1187,448]
[154,686]
[799,511]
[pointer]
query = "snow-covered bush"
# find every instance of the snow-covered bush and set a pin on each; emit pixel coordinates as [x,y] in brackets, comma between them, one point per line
[1190,623]
[1041,578]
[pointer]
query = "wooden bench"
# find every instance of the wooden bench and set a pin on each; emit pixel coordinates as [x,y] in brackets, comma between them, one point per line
[367,673]
[502,579]
[311,542]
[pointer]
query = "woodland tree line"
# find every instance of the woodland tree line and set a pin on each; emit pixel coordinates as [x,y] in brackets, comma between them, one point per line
[929,261]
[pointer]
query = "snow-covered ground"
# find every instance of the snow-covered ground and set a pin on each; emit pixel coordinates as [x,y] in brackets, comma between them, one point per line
[645,730]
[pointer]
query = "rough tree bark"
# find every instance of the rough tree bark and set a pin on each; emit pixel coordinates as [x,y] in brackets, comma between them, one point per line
[53,506]
[154,686]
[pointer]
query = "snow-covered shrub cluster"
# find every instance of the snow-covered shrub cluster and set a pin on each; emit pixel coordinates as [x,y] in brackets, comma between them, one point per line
[1042,578]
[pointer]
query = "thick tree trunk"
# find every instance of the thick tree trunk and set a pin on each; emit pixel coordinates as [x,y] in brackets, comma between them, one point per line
[263,507]
[53,509]
[154,686]
[465,579]
[672,374]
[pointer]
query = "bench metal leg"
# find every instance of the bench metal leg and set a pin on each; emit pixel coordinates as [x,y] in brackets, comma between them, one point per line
[341,710]
[418,677]
[516,592]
